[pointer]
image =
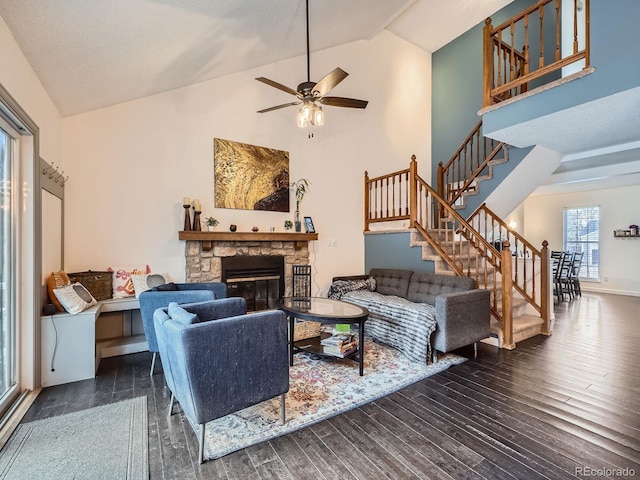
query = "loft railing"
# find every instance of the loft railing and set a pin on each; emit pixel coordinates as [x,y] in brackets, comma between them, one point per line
[511,49]
[470,159]
[530,266]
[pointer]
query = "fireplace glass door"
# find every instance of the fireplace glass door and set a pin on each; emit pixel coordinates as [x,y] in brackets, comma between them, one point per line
[261,293]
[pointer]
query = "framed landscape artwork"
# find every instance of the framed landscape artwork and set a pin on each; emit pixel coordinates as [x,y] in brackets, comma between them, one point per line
[250,177]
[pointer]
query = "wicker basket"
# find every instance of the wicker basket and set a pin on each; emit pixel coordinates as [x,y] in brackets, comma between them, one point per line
[303,330]
[99,284]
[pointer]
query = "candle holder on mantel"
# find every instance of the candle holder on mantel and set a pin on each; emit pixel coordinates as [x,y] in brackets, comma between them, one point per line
[187,218]
[197,227]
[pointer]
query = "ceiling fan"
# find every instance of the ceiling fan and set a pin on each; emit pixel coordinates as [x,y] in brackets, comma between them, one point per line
[310,94]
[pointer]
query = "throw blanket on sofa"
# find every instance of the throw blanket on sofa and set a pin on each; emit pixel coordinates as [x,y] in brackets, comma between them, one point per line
[401,324]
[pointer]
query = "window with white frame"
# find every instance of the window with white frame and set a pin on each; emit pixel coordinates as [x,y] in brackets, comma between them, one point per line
[582,234]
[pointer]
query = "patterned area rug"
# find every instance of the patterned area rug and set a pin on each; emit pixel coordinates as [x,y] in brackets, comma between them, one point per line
[320,387]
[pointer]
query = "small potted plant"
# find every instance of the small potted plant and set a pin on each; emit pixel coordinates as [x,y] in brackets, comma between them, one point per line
[211,223]
[288,225]
[299,188]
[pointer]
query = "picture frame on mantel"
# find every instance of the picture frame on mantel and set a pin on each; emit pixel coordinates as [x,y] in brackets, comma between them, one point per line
[308,225]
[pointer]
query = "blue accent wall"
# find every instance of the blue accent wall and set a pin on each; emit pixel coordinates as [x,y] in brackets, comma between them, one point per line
[500,172]
[457,87]
[614,55]
[393,250]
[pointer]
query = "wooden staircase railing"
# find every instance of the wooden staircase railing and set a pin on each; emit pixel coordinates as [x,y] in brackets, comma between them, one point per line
[470,159]
[530,266]
[481,247]
[388,197]
[509,69]
[405,195]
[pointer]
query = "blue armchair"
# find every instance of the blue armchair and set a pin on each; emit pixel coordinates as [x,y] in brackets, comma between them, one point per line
[216,364]
[185,293]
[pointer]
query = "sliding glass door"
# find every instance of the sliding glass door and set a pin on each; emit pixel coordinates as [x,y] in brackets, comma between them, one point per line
[9,387]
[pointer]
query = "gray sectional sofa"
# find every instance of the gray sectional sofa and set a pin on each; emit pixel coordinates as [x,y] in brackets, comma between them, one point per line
[418,313]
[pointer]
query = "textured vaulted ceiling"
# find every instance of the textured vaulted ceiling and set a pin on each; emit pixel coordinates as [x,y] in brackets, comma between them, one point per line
[93,53]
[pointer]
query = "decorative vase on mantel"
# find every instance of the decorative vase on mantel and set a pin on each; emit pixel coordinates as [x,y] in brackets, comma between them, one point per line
[296,221]
[299,188]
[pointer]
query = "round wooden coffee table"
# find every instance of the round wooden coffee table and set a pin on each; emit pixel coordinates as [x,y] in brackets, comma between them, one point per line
[325,311]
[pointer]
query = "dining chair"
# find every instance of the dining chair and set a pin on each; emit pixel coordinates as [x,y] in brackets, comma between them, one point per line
[574,276]
[561,281]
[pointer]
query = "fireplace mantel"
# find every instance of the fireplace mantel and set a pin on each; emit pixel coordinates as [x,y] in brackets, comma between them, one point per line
[207,238]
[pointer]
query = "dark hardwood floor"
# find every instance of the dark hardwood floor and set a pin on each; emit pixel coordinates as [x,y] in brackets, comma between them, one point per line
[556,407]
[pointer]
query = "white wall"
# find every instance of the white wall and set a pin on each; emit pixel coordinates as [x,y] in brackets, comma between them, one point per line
[20,80]
[619,257]
[131,164]
[17,77]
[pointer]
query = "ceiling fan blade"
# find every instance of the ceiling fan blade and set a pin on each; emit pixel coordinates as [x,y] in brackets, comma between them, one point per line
[343,102]
[278,107]
[329,81]
[279,86]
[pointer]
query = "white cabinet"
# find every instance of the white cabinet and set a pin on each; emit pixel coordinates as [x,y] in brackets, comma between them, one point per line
[68,347]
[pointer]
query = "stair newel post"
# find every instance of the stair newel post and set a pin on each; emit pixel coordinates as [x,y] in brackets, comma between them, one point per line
[545,296]
[366,201]
[507,296]
[587,35]
[413,191]
[440,186]
[487,51]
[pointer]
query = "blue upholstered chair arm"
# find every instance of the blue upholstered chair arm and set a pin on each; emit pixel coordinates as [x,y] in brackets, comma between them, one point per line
[150,301]
[222,366]
[219,288]
[222,308]
[159,317]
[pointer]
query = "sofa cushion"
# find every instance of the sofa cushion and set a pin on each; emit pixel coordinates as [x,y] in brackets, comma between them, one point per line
[179,314]
[425,287]
[390,281]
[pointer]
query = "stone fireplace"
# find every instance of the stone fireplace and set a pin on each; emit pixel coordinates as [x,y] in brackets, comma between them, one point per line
[205,252]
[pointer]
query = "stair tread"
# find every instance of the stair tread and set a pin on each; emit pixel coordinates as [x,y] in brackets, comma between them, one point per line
[520,323]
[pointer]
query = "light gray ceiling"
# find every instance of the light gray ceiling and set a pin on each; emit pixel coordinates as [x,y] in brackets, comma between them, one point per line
[600,141]
[93,53]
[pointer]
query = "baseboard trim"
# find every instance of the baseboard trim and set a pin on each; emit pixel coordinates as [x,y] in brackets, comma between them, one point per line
[612,292]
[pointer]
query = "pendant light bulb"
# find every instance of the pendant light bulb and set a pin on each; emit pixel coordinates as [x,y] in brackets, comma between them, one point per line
[318,116]
[301,118]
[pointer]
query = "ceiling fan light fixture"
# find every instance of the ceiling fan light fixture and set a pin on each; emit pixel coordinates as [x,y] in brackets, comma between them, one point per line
[318,115]
[307,110]
[310,94]
[301,118]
